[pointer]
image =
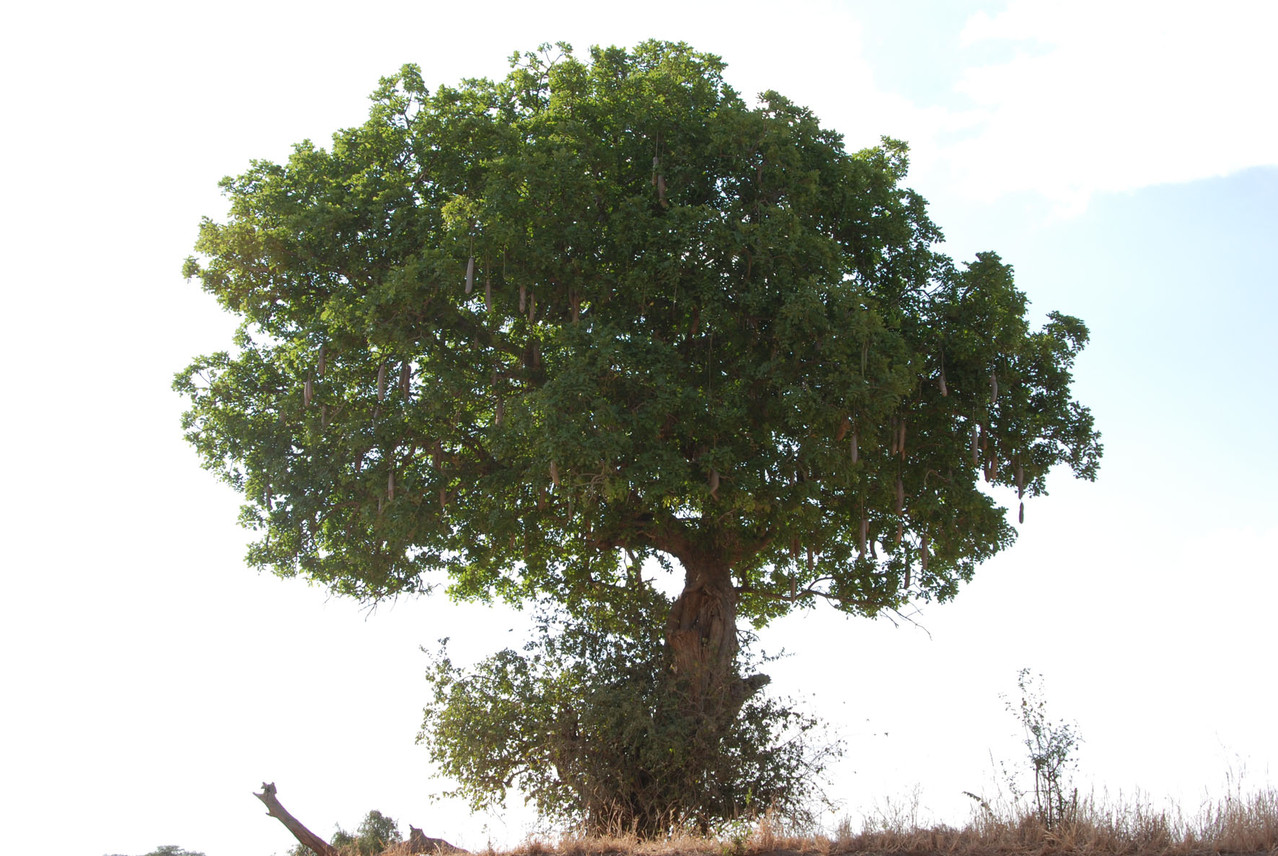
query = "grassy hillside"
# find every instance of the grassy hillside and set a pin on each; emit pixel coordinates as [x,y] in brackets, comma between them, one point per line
[1236,824]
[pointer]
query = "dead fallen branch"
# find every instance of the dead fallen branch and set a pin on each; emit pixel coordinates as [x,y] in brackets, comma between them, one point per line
[292,824]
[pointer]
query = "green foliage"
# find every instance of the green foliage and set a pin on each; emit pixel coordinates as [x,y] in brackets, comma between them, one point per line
[172,850]
[375,833]
[582,723]
[504,331]
[1051,747]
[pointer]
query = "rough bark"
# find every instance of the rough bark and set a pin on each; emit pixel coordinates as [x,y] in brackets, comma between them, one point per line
[300,832]
[702,637]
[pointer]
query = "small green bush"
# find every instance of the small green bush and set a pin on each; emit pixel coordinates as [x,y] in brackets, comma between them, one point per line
[1051,747]
[585,724]
[374,834]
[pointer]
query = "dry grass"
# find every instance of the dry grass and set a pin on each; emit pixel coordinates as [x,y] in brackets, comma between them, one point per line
[1236,824]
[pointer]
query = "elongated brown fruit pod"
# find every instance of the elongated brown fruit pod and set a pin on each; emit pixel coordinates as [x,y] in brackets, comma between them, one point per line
[843,429]
[405,375]
[470,274]
[381,382]
[390,484]
[532,308]
[900,495]
[554,473]
[907,572]
[306,393]
[443,499]
[993,388]
[944,390]
[321,361]
[923,551]
[976,444]
[488,293]
[900,532]
[499,415]
[1021,516]
[661,190]
[855,451]
[523,292]
[1020,480]
[895,434]
[714,483]
[901,444]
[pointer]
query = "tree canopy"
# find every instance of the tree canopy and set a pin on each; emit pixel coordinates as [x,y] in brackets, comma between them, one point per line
[521,335]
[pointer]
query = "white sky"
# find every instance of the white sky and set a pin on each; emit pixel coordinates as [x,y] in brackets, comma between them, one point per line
[1121,155]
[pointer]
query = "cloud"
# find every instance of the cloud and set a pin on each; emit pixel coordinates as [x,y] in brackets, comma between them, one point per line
[1102,97]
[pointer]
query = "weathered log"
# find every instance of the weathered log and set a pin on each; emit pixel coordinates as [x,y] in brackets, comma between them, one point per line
[304,836]
[420,842]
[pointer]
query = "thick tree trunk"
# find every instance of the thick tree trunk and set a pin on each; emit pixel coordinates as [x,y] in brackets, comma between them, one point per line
[701,634]
[301,833]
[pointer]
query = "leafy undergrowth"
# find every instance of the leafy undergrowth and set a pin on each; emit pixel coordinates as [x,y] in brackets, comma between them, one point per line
[1237,824]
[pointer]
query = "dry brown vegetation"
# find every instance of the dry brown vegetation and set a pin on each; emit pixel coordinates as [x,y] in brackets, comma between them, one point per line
[1235,824]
